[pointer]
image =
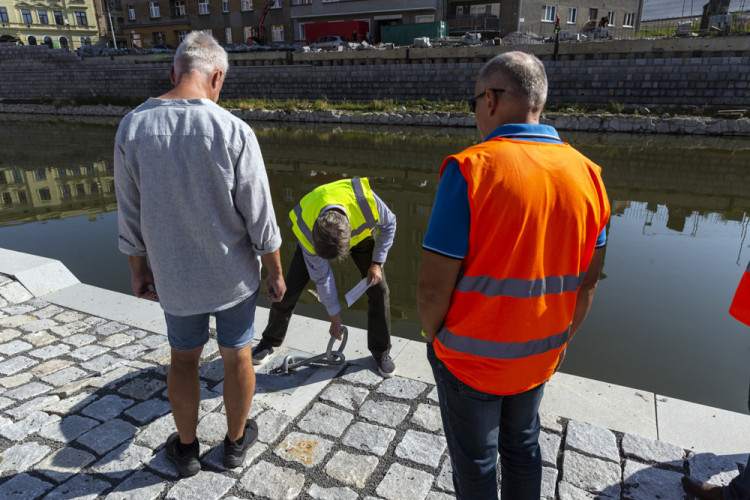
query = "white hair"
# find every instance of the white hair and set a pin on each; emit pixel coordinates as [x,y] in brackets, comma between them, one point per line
[200,52]
[523,71]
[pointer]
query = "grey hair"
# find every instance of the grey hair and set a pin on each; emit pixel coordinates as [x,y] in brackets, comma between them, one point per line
[331,235]
[200,52]
[525,72]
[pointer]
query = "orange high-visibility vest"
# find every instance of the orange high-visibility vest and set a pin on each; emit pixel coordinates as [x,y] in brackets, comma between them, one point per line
[740,307]
[536,211]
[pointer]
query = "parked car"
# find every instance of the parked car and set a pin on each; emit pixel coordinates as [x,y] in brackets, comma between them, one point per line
[330,42]
[162,48]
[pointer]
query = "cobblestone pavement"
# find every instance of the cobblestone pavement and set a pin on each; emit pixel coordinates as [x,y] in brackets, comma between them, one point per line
[84,414]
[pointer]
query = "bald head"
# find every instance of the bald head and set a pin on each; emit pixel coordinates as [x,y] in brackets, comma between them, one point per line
[519,73]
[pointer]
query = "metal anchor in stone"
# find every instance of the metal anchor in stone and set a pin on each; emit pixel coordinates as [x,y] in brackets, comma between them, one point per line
[330,357]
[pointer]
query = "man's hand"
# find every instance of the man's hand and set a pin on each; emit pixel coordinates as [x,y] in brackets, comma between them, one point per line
[276,287]
[560,359]
[142,279]
[374,274]
[335,328]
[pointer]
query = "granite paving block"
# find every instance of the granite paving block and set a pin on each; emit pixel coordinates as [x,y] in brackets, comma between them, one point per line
[370,438]
[650,450]
[161,464]
[306,449]
[16,380]
[142,485]
[110,328]
[71,404]
[102,363]
[27,391]
[549,444]
[444,479]
[437,495]
[40,339]
[212,428]
[15,293]
[213,370]
[324,419]
[160,355]
[107,436]
[210,400]
[130,351]
[23,486]
[351,469]
[18,309]
[433,395]
[346,396]
[80,339]
[68,429]
[154,341]
[714,469]
[29,425]
[5,402]
[139,334]
[271,424]
[142,387]
[64,376]
[148,410]
[116,376]
[16,320]
[643,482]
[215,457]
[14,347]
[21,457]
[567,491]
[116,340]
[156,433]
[64,463]
[422,448]
[37,325]
[7,334]
[69,329]
[80,487]
[211,347]
[401,388]
[95,321]
[592,440]
[404,483]
[336,493]
[69,317]
[16,364]
[362,376]
[47,312]
[387,413]
[122,461]
[29,407]
[591,474]
[88,352]
[269,481]
[50,366]
[71,388]
[428,417]
[551,422]
[107,407]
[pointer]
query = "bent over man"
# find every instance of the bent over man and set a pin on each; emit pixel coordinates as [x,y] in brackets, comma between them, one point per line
[510,261]
[330,222]
[193,199]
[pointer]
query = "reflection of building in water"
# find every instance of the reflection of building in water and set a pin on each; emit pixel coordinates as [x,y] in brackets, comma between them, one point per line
[42,193]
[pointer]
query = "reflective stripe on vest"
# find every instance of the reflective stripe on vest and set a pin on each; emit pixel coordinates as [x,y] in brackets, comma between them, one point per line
[740,308]
[501,350]
[364,207]
[514,287]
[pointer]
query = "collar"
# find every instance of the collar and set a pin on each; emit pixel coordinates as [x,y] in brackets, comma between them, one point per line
[526,132]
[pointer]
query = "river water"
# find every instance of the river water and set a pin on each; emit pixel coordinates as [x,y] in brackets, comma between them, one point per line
[677,237]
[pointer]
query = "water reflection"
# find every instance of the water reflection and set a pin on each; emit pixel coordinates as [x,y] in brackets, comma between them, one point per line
[676,251]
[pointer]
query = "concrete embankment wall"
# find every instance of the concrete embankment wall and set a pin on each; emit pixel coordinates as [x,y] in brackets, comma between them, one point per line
[712,72]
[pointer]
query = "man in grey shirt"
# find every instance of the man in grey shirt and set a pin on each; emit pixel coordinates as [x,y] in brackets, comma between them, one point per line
[193,199]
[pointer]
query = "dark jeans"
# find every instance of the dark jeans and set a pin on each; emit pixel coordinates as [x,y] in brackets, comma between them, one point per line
[478,425]
[739,488]
[378,301]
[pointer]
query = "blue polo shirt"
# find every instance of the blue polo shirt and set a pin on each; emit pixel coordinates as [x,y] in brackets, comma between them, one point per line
[448,230]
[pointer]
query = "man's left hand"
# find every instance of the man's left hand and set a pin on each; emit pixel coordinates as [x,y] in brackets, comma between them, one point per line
[560,359]
[374,274]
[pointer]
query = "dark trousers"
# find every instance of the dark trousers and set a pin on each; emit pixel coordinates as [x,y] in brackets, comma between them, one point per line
[378,301]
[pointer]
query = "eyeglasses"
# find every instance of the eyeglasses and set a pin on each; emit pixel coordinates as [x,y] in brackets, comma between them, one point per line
[473,100]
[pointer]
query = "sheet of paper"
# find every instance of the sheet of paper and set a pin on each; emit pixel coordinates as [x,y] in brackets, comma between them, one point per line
[356,292]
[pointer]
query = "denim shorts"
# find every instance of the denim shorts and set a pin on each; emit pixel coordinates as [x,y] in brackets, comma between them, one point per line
[234,327]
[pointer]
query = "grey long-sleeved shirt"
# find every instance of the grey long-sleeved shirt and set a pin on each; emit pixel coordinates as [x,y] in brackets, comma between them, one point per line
[193,196]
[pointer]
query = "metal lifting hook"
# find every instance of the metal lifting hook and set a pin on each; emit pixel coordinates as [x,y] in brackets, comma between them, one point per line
[330,357]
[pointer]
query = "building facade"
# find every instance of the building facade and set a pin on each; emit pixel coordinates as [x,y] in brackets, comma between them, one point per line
[109,20]
[60,24]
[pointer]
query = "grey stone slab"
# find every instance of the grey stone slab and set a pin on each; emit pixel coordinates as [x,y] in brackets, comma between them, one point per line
[131,351]
[433,395]
[15,293]
[71,404]
[346,396]
[37,325]
[80,339]
[80,487]
[110,328]
[5,402]
[404,483]
[437,495]
[370,438]
[643,482]
[64,376]
[69,329]
[591,474]
[107,407]
[41,338]
[210,400]
[15,381]
[16,364]
[551,422]
[122,461]
[567,491]
[7,334]
[428,417]
[21,457]
[68,429]
[14,347]
[215,457]
[153,341]
[116,376]
[29,425]
[161,464]
[71,388]
[156,433]
[592,440]
[650,450]
[29,407]
[715,469]
[269,481]
[107,436]
[361,376]
[16,320]
[401,388]
[148,410]
[51,366]
[88,352]
[353,470]
[387,413]
[116,340]
[24,486]
[444,479]
[271,424]
[95,321]
[47,312]
[336,493]
[139,334]
[306,449]
[550,446]
[549,483]
[64,463]
[324,419]
[160,355]
[69,317]
[142,388]
[421,447]
[102,363]
[27,391]
[213,370]
[18,309]
[212,428]
[142,485]
[211,348]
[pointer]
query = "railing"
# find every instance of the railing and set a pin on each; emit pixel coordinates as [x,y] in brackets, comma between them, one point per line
[474,23]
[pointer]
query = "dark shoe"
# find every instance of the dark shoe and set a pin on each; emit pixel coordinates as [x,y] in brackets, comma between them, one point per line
[386,367]
[235,451]
[186,459]
[701,490]
[262,353]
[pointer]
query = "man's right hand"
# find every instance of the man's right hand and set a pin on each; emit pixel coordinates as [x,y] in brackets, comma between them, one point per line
[335,328]
[276,287]
[141,278]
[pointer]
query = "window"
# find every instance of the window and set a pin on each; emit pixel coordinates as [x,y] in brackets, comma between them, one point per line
[572,15]
[26,15]
[611,17]
[158,37]
[247,33]
[277,32]
[460,10]
[40,174]
[22,197]
[61,172]
[424,19]
[154,9]
[3,15]
[47,41]
[80,190]
[63,43]
[44,194]
[17,177]
[203,7]
[94,188]
[65,191]
[85,40]
[246,5]
[593,14]
[549,12]
[179,7]
[58,17]
[31,39]
[81,19]
[478,10]
[301,2]
[629,20]
[225,5]
[181,35]
[7,200]
[3,180]
[276,4]
[43,19]
[228,35]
